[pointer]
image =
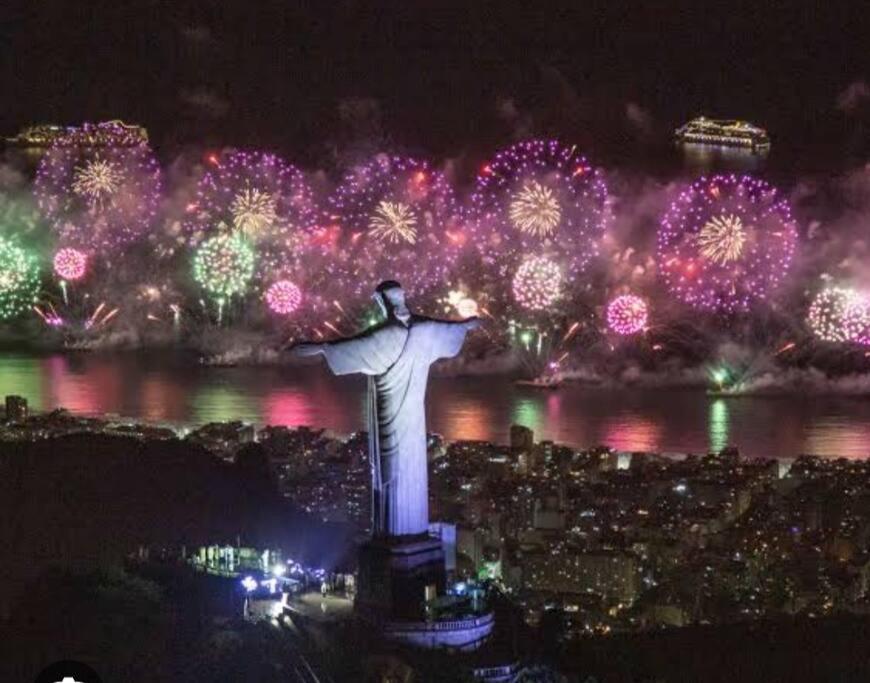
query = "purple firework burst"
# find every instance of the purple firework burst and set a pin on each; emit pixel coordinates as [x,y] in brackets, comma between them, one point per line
[725,242]
[98,196]
[540,197]
[262,198]
[398,218]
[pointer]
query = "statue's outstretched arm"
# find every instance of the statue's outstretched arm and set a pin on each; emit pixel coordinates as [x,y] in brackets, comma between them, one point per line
[449,335]
[370,352]
[307,349]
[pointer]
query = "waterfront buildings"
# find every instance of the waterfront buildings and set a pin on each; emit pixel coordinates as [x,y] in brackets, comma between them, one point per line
[614,541]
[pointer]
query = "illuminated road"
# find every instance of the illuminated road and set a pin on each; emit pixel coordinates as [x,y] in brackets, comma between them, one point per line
[302,669]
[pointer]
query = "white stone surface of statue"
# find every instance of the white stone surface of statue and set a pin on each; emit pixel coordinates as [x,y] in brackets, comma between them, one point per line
[396,356]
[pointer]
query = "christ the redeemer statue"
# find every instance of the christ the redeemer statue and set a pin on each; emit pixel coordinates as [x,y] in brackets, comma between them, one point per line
[396,356]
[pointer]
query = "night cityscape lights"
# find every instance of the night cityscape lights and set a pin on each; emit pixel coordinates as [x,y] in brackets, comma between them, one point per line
[725,242]
[503,342]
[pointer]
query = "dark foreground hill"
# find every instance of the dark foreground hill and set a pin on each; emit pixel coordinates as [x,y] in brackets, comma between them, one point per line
[88,500]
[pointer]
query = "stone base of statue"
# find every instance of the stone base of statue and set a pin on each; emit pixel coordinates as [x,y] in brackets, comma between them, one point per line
[397,575]
[399,579]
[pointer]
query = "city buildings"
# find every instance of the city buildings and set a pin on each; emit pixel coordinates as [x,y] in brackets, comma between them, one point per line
[616,542]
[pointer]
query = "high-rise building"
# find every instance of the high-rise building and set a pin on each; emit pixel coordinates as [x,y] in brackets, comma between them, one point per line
[610,574]
[522,439]
[16,408]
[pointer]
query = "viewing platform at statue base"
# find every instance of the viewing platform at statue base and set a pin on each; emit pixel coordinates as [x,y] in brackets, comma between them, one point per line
[402,583]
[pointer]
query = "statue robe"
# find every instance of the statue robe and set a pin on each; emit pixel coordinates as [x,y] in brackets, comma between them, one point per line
[396,357]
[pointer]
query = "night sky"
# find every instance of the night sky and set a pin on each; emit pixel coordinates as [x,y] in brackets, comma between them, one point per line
[444,79]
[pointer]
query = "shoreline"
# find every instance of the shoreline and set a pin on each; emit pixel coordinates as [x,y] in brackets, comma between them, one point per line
[118,425]
[786,383]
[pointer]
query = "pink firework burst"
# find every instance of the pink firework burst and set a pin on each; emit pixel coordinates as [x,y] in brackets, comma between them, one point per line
[858,320]
[70,264]
[725,242]
[627,315]
[283,297]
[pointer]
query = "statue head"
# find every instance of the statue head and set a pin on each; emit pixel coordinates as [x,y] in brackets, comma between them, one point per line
[391,298]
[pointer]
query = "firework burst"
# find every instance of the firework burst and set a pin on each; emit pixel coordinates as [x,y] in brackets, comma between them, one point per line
[840,314]
[394,222]
[539,196]
[254,212]
[459,302]
[857,320]
[262,198]
[627,314]
[283,297]
[726,242]
[224,266]
[97,181]
[19,279]
[535,210]
[70,264]
[722,238]
[98,198]
[397,218]
[537,284]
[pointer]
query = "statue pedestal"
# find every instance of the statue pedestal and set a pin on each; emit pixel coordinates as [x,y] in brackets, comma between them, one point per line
[396,577]
[394,574]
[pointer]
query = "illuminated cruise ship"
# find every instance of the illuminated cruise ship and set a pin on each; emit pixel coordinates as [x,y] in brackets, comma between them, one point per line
[727,132]
[106,134]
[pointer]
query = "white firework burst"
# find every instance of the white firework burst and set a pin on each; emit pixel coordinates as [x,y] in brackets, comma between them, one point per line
[394,222]
[97,181]
[458,301]
[535,210]
[537,284]
[254,212]
[722,238]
